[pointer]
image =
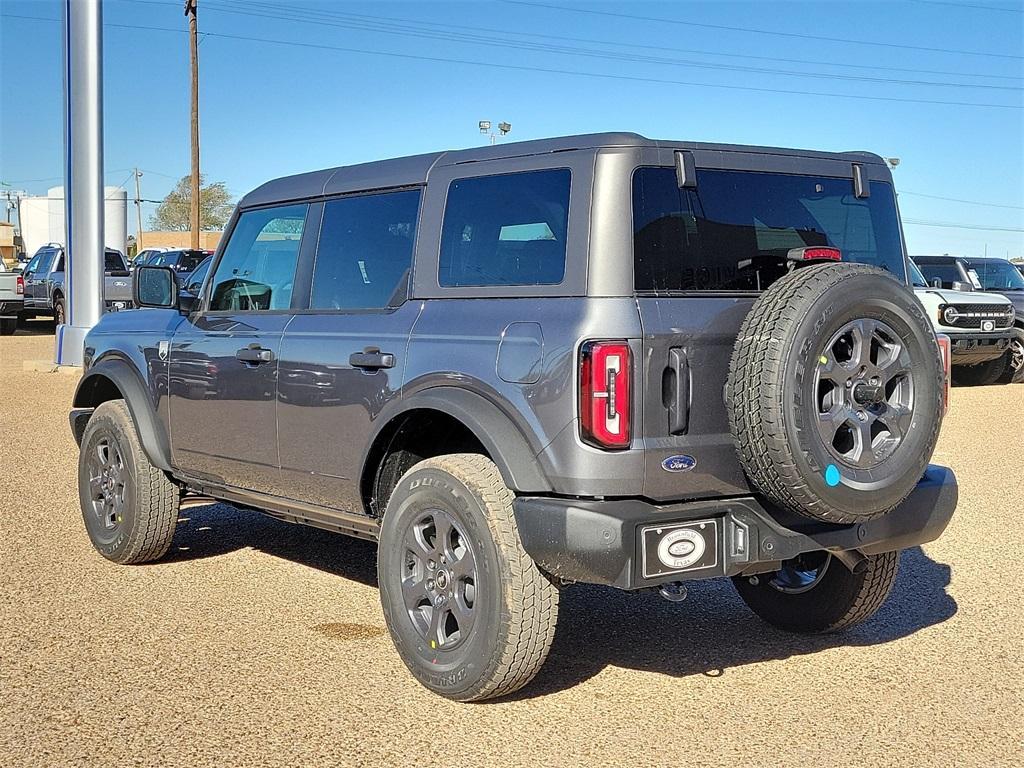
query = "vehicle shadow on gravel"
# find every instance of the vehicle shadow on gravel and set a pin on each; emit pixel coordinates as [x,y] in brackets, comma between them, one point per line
[709,633]
[712,631]
[218,529]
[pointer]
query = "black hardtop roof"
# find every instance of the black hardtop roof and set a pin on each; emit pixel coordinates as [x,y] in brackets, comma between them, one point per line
[412,170]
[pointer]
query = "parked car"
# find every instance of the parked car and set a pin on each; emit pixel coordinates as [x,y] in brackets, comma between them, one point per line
[12,300]
[183,260]
[192,282]
[979,325]
[984,274]
[145,256]
[44,283]
[599,359]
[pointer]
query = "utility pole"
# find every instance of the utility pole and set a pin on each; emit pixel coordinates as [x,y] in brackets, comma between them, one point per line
[193,35]
[138,213]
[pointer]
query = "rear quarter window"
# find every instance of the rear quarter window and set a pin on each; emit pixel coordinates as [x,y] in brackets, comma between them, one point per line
[508,229]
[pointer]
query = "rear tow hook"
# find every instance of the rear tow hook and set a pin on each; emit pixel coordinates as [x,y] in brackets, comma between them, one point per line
[674,592]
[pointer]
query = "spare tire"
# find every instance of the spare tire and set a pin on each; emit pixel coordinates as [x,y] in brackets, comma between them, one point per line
[835,392]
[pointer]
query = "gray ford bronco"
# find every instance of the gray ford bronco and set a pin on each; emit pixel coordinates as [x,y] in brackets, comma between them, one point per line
[599,359]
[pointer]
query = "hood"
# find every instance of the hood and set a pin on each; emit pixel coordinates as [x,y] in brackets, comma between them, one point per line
[972,297]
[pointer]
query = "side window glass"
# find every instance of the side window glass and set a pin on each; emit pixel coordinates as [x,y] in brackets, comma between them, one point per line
[506,230]
[60,264]
[257,270]
[34,262]
[365,250]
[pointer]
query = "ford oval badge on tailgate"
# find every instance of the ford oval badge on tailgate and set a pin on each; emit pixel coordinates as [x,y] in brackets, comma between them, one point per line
[679,463]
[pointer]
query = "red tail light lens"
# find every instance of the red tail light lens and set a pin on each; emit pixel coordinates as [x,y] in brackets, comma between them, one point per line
[945,353]
[814,253]
[21,286]
[605,393]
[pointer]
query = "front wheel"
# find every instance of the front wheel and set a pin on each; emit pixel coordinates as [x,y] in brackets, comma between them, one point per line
[815,593]
[470,613]
[129,506]
[1015,368]
[8,326]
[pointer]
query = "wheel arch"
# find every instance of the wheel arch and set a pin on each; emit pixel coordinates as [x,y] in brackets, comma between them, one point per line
[115,378]
[495,434]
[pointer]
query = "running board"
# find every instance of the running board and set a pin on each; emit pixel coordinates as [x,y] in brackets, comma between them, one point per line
[288,510]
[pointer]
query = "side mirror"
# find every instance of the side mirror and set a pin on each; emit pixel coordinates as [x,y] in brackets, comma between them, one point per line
[965,287]
[155,287]
[936,282]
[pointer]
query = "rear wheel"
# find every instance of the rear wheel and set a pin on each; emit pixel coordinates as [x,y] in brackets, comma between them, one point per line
[470,613]
[129,506]
[816,593]
[59,313]
[981,374]
[8,326]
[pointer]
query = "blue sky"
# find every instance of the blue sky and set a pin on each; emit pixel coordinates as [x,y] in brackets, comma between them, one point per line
[270,108]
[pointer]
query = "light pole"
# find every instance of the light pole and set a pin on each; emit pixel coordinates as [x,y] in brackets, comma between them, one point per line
[83,176]
[485,128]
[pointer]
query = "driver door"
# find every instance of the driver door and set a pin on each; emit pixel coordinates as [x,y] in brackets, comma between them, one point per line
[223,367]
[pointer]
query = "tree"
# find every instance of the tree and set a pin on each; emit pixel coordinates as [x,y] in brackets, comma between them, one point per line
[174,212]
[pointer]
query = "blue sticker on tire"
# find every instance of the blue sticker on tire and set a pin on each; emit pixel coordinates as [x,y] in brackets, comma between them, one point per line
[832,477]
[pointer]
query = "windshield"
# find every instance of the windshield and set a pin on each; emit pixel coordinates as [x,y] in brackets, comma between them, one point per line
[996,275]
[916,278]
[735,229]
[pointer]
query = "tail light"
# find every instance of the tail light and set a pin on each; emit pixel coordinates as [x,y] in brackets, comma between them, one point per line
[21,286]
[814,253]
[945,353]
[605,393]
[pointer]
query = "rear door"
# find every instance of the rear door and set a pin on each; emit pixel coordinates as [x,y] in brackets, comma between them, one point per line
[701,257]
[343,359]
[223,367]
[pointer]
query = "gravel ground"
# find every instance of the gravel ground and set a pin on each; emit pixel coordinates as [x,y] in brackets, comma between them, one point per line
[261,643]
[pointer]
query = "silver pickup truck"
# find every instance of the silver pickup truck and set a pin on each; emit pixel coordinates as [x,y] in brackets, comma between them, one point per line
[12,299]
[44,283]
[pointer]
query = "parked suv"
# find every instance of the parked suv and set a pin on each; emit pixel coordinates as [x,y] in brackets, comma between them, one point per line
[44,283]
[979,326]
[984,274]
[599,359]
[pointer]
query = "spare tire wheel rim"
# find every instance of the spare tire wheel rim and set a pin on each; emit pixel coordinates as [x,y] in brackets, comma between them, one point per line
[439,580]
[864,393]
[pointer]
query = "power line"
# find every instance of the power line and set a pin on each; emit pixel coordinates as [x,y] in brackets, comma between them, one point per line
[388,27]
[951,225]
[322,14]
[970,5]
[752,30]
[556,71]
[958,200]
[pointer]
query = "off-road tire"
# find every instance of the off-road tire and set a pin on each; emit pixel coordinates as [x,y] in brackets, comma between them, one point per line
[838,601]
[8,326]
[518,604]
[772,402]
[982,374]
[150,507]
[1015,375]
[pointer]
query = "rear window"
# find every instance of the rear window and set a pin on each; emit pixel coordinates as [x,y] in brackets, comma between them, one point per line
[508,229]
[732,232]
[113,262]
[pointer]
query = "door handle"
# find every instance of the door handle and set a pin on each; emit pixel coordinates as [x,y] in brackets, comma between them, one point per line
[254,354]
[676,391]
[371,358]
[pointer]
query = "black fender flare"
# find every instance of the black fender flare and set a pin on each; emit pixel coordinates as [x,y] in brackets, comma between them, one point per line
[91,392]
[503,440]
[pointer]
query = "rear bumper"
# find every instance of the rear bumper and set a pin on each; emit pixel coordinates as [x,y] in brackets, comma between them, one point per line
[11,308]
[969,349]
[602,542]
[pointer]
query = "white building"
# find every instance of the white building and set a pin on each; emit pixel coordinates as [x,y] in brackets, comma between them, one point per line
[42,219]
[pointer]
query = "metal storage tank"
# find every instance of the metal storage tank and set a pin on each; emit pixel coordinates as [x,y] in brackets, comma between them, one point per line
[115,217]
